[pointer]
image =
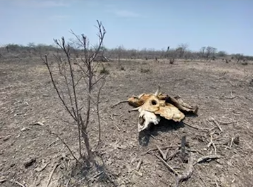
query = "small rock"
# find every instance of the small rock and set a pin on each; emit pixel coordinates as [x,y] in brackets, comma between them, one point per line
[29,162]
[237,140]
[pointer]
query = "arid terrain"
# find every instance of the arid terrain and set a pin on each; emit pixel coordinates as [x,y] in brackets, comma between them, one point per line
[30,156]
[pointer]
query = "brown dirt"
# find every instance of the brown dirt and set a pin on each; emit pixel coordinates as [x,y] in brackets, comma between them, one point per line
[222,92]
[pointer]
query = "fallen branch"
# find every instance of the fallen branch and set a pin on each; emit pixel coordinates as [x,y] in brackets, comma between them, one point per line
[196,128]
[187,173]
[216,123]
[118,103]
[211,143]
[51,174]
[18,183]
[139,165]
[167,165]
[173,155]
[154,149]
[41,168]
[207,158]
[164,155]
[38,123]
[97,175]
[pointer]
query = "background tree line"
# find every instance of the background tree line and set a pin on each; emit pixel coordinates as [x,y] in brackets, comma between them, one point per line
[182,51]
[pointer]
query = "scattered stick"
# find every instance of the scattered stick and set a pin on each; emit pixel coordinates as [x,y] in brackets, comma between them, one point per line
[38,123]
[167,165]
[183,154]
[211,143]
[207,158]
[164,155]
[166,147]
[18,183]
[97,175]
[187,173]
[196,128]
[226,122]
[41,168]
[51,174]
[139,165]
[111,117]
[217,124]
[173,155]
[231,142]
[118,103]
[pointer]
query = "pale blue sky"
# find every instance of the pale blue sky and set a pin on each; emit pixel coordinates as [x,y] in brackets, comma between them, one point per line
[224,24]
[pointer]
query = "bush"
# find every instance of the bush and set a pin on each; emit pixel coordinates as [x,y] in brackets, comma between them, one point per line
[145,70]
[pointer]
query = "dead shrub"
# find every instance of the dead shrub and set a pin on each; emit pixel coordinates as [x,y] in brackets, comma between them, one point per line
[145,70]
[172,61]
[78,86]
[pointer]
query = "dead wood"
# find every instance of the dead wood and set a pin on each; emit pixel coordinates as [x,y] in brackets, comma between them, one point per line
[211,143]
[174,154]
[207,158]
[196,128]
[139,165]
[154,149]
[167,165]
[39,169]
[164,155]
[51,174]
[118,103]
[183,154]
[18,183]
[187,173]
[216,123]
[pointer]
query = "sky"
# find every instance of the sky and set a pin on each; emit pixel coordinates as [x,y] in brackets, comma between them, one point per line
[134,24]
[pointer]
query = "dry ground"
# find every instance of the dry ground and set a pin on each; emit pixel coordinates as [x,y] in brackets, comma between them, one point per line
[222,91]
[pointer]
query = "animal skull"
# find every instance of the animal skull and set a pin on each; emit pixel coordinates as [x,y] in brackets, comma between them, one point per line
[147,118]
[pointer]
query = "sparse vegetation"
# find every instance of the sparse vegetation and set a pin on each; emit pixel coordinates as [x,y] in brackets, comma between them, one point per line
[110,154]
[145,70]
[76,82]
[104,71]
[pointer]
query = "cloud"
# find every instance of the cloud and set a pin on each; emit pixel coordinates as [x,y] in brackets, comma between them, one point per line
[126,13]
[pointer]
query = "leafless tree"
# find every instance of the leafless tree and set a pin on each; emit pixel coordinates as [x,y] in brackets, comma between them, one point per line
[181,50]
[202,51]
[78,86]
[120,50]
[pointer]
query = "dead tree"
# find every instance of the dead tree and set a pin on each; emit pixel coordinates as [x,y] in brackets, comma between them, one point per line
[78,86]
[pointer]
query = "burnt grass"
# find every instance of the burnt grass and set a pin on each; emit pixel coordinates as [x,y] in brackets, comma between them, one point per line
[223,93]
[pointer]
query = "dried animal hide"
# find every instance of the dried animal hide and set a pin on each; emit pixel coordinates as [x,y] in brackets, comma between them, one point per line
[176,101]
[160,107]
[153,106]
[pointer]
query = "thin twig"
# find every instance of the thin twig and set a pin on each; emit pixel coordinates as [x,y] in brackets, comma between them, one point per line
[98,113]
[196,128]
[154,149]
[18,183]
[187,173]
[95,176]
[164,155]
[212,143]
[217,124]
[207,158]
[118,103]
[51,174]
[167,165]
[139,165]
[66,145]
